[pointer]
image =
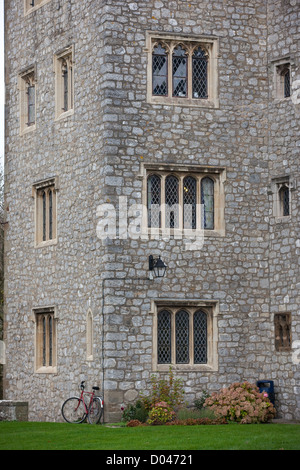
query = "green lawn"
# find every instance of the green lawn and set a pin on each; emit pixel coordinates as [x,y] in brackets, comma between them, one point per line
[61,436]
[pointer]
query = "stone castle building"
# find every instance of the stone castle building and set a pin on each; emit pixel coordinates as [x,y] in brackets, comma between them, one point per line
[139,129]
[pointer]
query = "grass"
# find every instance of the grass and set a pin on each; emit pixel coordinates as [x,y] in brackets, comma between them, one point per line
[62,436]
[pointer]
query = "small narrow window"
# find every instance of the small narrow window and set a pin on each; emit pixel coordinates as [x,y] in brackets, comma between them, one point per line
[45,218]
[282,332]
[179,72]
[207,200]
[287,83]
[64,82]
[89,336]
[284,200]
[159,71]
[45,340]
[27,86]
[282,79]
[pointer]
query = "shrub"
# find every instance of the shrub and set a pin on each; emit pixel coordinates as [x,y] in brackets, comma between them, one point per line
[161,413]
[168,390]
[199,402]
[243,403]
[135,412]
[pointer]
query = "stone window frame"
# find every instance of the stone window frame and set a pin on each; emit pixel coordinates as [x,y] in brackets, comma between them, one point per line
[211,308]
[45,356]
[283,331]
[26,80]
[210,44]
[277,184]
[280,68]
[33,5]
[89,335]
[42,213]
[217,174]
[64,59]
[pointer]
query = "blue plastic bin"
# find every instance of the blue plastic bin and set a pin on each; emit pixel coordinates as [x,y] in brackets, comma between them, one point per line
[268,387]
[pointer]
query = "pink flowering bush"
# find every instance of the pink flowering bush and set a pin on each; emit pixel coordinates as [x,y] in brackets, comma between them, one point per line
[161,413]
[243,403]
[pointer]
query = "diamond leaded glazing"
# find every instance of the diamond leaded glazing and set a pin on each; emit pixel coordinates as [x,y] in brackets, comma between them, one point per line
[182,337]
[172,201]
[159,71]
[200,337]
[179,72]
[164,337]
[199,74]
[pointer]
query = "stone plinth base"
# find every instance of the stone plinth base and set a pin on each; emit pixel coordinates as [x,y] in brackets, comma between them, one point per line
[13,410]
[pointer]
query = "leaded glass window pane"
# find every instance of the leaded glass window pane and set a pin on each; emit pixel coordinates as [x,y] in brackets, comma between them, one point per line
[172,202]
[189,202]
[50,214]
[44,215]
[159,71]
[179,72]
[154,201]
[164,337]
[182,337]
[200,337]
[66,86]
[199,74]
[31,105]
[287,84]
[207,200]
[284,197]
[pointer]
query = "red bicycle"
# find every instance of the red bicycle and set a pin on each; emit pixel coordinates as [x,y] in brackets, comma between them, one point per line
[75,410]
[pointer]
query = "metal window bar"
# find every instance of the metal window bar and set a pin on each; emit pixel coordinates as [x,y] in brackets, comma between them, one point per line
[207,199]
[164,337]
[179,72]
[199,76]
[159,71]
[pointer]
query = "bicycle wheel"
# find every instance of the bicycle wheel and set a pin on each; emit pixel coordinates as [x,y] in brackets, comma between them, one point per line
[73,410]
[95,411]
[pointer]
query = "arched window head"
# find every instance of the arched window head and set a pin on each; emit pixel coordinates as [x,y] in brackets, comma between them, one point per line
[284,200]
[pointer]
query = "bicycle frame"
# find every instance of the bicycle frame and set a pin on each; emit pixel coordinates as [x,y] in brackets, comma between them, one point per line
[81,398]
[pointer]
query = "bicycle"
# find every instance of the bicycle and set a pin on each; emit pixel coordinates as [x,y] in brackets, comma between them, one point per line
[75,410]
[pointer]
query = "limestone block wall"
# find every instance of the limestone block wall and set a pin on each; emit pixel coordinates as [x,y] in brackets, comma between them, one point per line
[100,153]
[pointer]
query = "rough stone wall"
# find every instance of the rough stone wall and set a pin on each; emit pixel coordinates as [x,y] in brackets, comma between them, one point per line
[97,154]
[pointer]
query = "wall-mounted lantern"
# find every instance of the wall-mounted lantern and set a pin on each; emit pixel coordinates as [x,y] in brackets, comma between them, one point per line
[157,268]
